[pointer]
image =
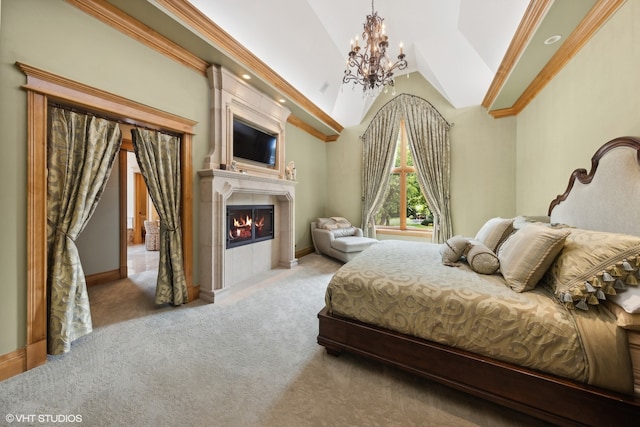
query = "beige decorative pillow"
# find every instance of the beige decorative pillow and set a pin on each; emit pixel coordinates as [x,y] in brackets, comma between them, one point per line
[481,259]
[594,264]
[333,223]
[494,232]
[623,319]
[527,254]
[453,249]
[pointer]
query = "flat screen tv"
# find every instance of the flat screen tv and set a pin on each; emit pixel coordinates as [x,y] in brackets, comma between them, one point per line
[255,145]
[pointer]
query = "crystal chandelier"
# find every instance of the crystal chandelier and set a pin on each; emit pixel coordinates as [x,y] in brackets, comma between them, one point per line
[369,64]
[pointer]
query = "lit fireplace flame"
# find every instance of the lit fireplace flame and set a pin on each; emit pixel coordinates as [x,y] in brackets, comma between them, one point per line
[260,223]
[242,223]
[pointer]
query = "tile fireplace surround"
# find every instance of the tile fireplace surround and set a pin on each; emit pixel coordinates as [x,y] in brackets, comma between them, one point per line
[221,268]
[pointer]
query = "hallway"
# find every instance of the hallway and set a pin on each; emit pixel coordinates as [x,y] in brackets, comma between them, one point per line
[131,297]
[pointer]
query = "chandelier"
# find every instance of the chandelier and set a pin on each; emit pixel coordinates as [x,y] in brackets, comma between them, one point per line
[369,64]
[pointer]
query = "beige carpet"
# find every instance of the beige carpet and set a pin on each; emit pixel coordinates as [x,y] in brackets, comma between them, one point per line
[250,359]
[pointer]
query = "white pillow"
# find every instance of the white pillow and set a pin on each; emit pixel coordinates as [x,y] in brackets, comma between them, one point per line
[628,299]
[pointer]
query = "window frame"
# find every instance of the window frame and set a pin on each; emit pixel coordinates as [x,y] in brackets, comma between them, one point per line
[403,170]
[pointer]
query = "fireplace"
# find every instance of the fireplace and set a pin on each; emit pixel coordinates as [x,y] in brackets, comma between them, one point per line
[220,187]
[248,224]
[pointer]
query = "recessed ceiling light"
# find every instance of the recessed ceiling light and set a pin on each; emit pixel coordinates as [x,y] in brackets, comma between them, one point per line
[246,76]
[552,39]
[282,100]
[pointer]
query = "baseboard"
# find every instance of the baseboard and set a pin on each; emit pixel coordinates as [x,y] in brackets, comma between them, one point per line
[105,277]
[13,363]
[306,251]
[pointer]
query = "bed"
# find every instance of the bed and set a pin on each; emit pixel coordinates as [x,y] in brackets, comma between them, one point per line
[531,335]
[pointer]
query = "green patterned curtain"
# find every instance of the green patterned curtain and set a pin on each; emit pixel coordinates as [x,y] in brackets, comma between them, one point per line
[428,134]
[378,147]
[158,156]
[80,156]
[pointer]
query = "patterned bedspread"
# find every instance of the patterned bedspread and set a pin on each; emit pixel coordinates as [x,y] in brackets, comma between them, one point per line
[403,286]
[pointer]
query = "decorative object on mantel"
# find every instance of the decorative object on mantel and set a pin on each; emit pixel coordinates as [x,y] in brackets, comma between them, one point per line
[291,171]
[233,166]
[369,65]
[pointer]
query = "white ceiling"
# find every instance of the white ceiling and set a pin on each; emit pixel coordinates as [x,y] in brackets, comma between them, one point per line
[457,45]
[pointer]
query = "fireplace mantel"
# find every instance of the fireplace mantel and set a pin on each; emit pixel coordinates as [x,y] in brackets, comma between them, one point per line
[221,268]
[218,267]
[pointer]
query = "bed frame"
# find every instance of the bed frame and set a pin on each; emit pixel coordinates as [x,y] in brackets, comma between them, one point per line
[548,397]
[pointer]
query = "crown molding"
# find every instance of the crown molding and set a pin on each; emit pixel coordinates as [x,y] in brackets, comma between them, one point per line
[532,18]
[114,17]
[135,29]
[596,17]
[61,89]
[187,13]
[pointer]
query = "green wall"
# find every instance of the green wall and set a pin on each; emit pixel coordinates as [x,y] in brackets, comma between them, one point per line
[482,161]
[592,100]
[309,155]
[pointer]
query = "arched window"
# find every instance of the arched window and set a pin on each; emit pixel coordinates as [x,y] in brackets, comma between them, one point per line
[413,127]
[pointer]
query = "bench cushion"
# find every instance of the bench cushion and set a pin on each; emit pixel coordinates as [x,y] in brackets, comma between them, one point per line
[352,243]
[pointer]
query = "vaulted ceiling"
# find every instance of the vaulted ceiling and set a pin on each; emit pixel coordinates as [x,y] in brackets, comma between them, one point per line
[474,52]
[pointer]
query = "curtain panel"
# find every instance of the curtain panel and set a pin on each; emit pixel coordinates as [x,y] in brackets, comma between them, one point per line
[428,134]
[158,156]
[379,143]
[80,155]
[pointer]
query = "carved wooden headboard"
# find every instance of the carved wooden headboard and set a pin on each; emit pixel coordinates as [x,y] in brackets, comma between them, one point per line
[607,198]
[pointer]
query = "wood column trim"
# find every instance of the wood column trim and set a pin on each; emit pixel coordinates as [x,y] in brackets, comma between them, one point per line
[36,227]
[193,292]
[122,176]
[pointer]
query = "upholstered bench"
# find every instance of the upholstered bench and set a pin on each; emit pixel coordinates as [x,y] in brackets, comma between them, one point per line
[337,238]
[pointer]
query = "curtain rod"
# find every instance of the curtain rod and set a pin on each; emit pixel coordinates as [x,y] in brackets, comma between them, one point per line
[412,96]
[111,119]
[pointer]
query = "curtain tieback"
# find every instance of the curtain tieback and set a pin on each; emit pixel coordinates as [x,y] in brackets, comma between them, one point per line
[58,231]
[169,229]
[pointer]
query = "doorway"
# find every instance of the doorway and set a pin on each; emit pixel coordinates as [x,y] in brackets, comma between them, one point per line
[43,87]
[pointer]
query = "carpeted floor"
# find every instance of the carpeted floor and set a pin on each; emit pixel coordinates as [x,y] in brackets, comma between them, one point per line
[250,359]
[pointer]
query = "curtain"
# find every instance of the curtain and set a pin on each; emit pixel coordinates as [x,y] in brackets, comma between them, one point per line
[428,134]
[80,156]
[158,156]
[378,148]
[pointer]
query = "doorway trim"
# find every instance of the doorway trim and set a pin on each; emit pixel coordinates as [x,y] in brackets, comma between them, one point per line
[43,87]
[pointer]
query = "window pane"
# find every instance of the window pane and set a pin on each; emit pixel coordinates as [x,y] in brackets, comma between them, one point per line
[418,213]
[409,155]
[389,213]
[397,160]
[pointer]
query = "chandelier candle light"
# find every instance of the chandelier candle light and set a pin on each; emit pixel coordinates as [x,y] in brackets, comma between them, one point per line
[369,65]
